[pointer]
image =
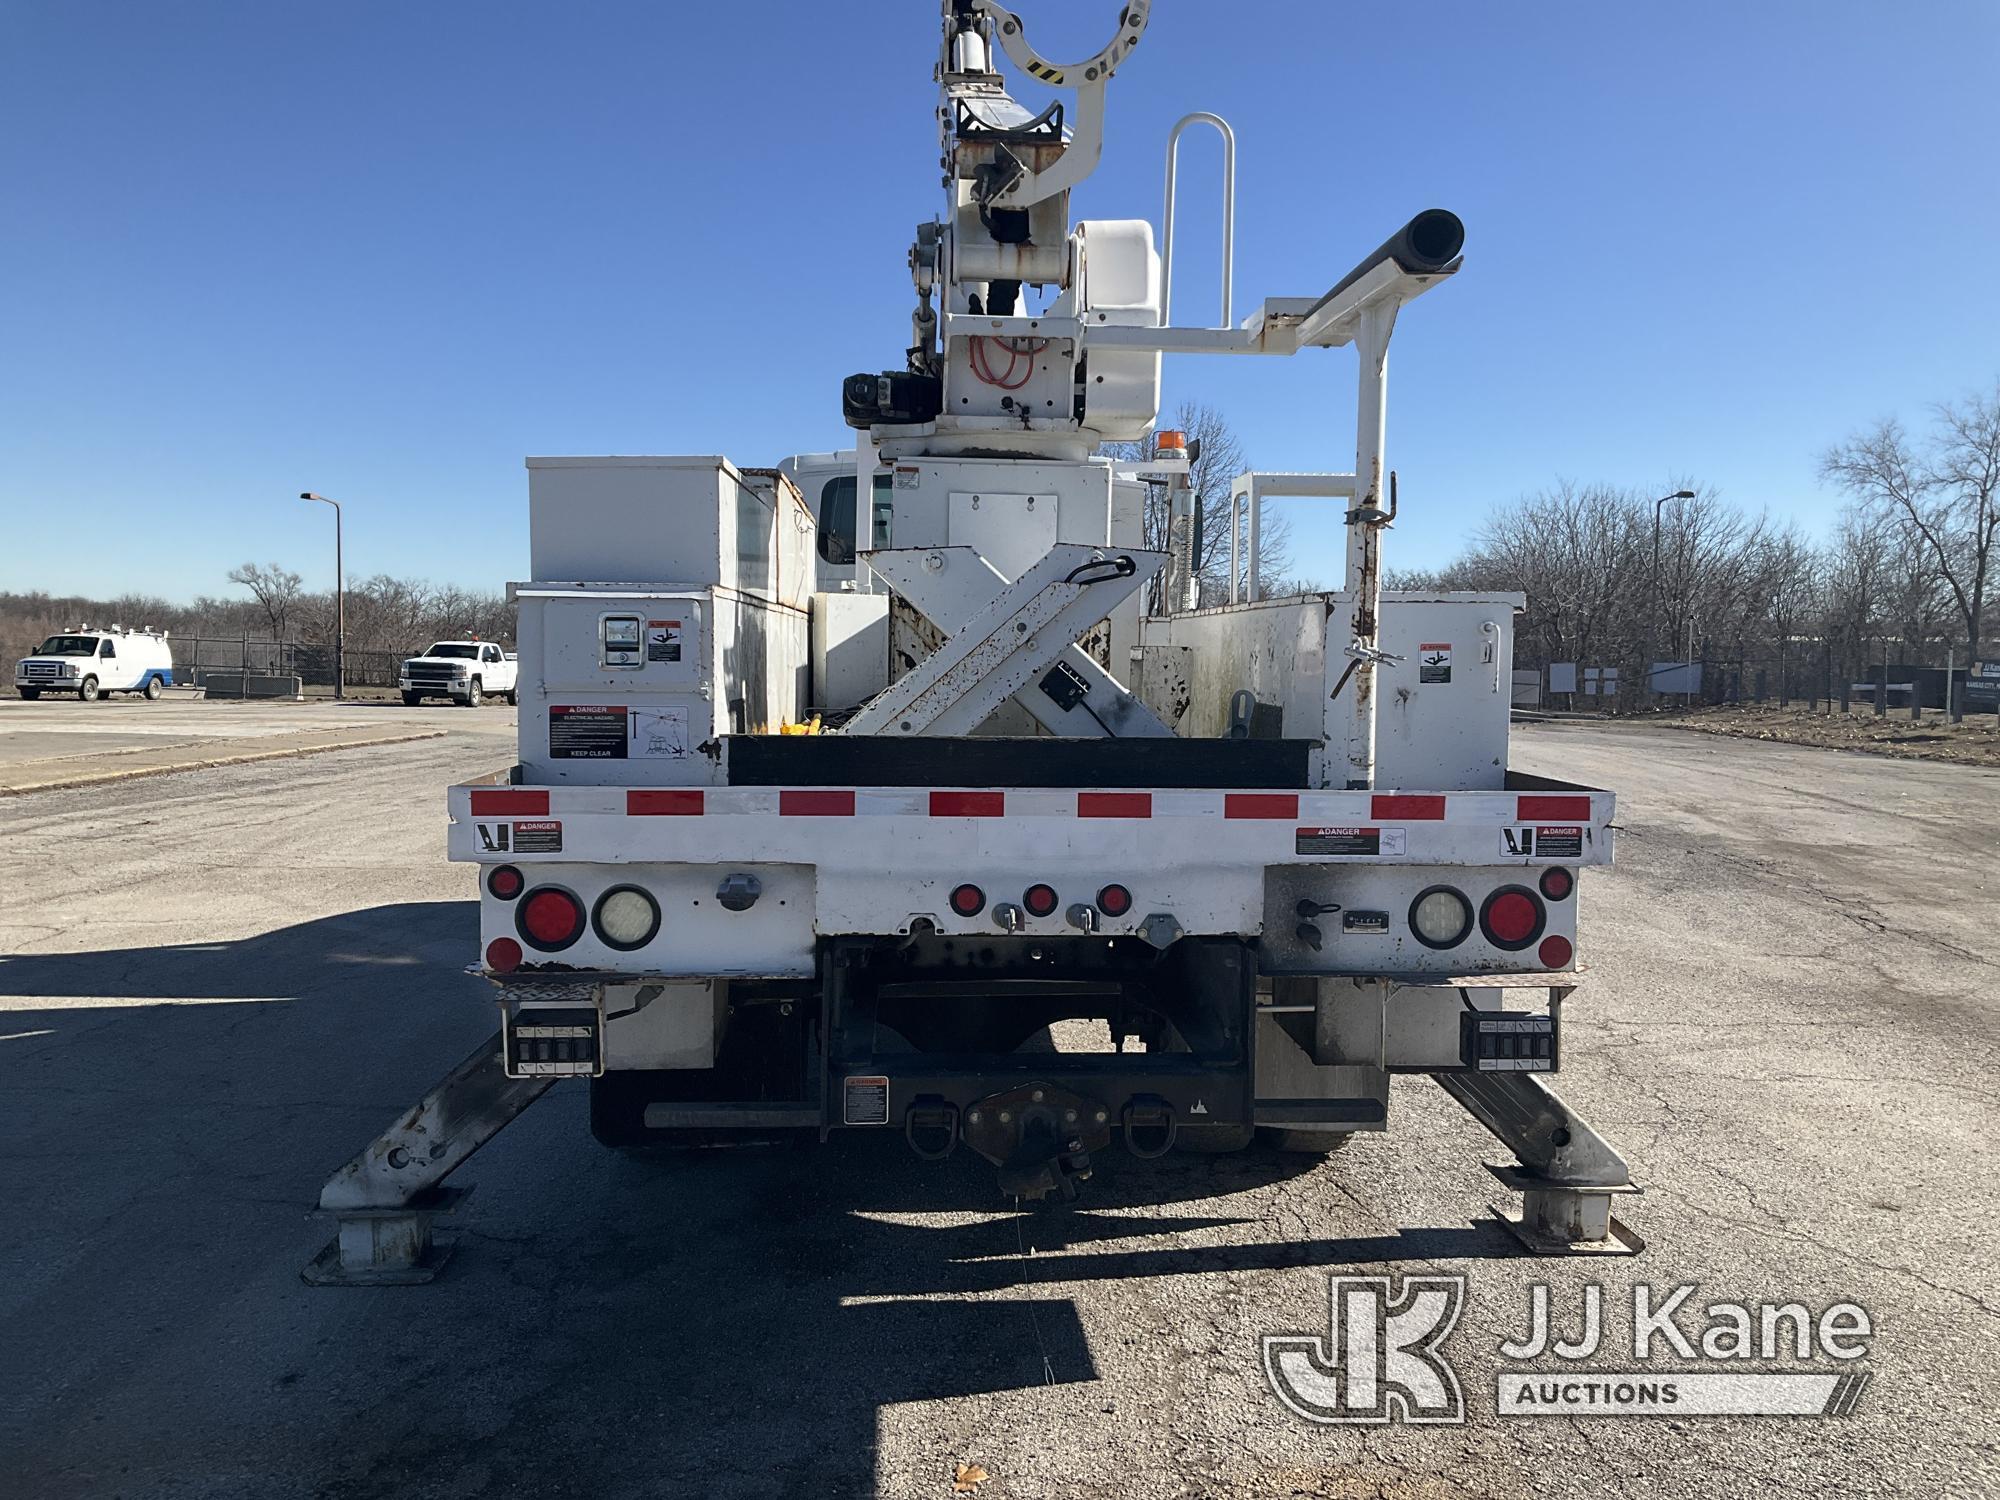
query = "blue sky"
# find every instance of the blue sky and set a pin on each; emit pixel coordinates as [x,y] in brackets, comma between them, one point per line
[385,250]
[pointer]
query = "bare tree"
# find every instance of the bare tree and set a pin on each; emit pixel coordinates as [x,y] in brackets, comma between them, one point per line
[1947,494]
[1221,459]
[276,590]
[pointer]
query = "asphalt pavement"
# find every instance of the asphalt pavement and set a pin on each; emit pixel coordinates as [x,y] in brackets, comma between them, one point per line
[215,986]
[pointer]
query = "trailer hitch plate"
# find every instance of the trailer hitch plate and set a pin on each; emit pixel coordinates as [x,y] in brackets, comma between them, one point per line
[1040,1137]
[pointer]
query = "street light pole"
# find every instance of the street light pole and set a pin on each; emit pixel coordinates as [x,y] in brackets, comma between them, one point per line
[1653,615]
[340,600]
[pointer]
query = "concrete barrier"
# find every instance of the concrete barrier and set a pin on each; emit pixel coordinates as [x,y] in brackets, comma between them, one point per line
[218,684]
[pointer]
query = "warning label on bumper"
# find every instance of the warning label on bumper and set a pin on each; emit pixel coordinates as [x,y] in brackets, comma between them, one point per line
[1542,841]
[1352,841]
[539,837]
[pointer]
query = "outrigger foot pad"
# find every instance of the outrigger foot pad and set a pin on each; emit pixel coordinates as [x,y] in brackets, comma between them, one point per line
[1567,1173]
[386,1246]
[387,1199]
[1564,1219]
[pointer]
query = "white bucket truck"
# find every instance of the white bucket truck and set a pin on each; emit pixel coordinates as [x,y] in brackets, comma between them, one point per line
[94,663]
[1240,872]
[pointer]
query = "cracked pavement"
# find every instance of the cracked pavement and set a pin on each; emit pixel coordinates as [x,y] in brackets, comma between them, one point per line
[216,986]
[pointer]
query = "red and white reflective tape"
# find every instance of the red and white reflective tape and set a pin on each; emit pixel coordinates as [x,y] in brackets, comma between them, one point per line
[848,802]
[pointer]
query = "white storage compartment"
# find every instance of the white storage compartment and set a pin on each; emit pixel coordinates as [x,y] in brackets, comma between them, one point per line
[1444,710]
[622,685]
[850,649]
[688,522]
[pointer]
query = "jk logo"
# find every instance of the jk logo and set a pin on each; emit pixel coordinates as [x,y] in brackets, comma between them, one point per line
[1381,1361]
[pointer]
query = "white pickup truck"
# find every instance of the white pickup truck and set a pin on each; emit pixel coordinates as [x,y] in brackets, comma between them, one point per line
[467,672]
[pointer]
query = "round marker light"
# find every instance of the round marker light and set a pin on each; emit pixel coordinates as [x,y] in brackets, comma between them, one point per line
[503,956]
[626,917]
[1555,953]
[1114,901]
[1441,917]
[549,919]
[968,900]
[504,882]
[1512,917]
[1040,900]
[1557,883]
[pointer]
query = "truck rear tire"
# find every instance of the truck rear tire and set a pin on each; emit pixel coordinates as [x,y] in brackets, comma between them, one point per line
[29,695]
[1304,1142]
[153,690]
[514,699]
[411,700]
[474,695]
[86,691]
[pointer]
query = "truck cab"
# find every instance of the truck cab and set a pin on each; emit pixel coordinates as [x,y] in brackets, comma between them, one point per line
[94,663]
[467,672]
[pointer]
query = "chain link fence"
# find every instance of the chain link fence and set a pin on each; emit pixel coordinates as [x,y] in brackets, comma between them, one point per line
[311,663]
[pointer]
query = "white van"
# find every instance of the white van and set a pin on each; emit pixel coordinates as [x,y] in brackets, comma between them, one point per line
[92,663]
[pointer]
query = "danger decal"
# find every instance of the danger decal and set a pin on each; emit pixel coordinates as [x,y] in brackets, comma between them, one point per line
[1434,661]
[587,731]
[1542,841]
[1352,841]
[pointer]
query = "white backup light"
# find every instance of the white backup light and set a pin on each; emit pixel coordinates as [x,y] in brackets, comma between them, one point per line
[627,917]
[1441,917]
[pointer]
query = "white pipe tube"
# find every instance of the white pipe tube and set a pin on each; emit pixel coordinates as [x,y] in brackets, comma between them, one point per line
[1201,117]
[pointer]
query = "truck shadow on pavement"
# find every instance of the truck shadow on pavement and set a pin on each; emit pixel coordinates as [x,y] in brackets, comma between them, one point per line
[713,1324]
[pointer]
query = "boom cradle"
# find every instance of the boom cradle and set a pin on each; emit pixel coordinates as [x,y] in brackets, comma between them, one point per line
[1241,860]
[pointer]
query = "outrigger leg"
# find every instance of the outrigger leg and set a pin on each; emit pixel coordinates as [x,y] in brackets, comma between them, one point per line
[1567,1173]
[385,1200]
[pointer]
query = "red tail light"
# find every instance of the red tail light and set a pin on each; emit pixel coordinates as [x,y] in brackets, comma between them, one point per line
[968,900]
[1557,883]
[504,882]
[1512,917]
[1114,901]
[1040,900]
[549,919]
[1555,952]
[503,955]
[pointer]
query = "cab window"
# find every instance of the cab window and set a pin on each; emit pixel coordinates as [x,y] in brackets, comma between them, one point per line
[490,653]
[837,521]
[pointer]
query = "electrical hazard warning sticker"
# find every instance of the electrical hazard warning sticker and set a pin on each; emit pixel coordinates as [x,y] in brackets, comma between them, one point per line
[864,1101]
[1434,661]
[1364,841]
[1542,841]
[587,731]
[660,733]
